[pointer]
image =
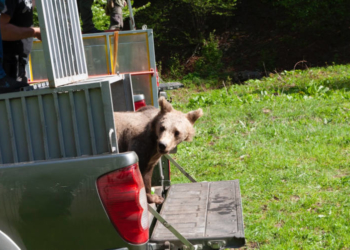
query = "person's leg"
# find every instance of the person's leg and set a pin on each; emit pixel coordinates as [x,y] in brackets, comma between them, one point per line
[84,7]
[7,84]
[116,19]
[15,74]
[22,74]
[15,78]
[2,71]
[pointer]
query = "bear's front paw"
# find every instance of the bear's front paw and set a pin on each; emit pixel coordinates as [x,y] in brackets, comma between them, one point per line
[153,198]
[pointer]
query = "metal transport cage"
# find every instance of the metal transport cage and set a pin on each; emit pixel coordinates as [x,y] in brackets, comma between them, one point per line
[68,121]
[135,55]
[62,41]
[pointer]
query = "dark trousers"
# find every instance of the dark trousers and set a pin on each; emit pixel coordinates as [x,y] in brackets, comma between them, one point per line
[84,8]
[2,72]
[116,20]
[15,67]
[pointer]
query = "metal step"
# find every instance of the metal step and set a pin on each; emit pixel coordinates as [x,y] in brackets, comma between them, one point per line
[203,212]
[170,86]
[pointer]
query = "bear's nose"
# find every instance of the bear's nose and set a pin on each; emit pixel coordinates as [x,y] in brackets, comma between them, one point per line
[162,146]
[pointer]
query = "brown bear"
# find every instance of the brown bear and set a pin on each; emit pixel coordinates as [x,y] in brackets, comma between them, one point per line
[151,133]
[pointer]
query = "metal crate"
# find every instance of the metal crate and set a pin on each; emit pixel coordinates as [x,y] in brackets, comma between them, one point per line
[135,56]
[62,41]
[68,121]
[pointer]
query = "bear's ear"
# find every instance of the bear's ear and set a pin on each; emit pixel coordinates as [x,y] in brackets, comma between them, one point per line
[194,115]
[164,105]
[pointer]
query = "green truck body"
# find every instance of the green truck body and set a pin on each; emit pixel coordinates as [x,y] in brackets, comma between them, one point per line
[54,205]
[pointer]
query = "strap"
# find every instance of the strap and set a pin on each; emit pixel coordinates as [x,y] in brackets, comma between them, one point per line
[115,55]
[183,171]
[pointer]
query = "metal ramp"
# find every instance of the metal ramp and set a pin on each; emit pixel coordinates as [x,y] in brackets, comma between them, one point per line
[170,86]
[203,213]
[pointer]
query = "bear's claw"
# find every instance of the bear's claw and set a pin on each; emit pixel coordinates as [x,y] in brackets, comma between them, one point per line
[153,198]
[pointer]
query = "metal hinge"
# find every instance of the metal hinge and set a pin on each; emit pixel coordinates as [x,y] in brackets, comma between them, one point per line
[217,244]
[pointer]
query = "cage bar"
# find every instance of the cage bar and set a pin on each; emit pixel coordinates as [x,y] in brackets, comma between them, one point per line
[62,41]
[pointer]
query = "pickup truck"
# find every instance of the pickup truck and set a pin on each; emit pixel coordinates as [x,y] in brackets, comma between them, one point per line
[63,183]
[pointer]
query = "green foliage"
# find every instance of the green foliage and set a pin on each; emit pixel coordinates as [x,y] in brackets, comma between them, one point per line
[176,69]
[307,15]
[100,19]
[35,18]
[210,64]
[202,9]
[267,60]
[180,26]
[216,7]
[192,79]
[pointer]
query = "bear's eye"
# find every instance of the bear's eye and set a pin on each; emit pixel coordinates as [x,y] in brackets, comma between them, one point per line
[177,133]
[162,128]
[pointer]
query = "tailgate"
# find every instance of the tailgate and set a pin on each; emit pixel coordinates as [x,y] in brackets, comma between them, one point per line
[206,213]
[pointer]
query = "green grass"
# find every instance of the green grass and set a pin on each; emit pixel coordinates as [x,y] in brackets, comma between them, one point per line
[287,139]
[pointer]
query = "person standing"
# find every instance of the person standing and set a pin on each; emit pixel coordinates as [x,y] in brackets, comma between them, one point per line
[16,24]
[85,11]
[115,10]
[4,85]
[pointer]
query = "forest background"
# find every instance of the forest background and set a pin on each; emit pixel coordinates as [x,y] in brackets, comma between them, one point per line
[244,38]
[240,39]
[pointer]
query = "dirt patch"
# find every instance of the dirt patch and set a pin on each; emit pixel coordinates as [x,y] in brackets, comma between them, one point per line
[252,245]
[295,198]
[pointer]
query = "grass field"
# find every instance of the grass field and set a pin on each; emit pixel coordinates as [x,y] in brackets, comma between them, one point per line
[287,139]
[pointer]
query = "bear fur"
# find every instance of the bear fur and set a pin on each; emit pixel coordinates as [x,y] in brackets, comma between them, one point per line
[151,133]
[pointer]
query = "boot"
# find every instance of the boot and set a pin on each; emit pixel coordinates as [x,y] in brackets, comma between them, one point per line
[8,84]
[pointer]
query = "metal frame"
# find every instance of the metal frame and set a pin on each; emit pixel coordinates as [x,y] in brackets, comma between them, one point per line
[151,52]
[131,16]
[38,122]
[62,40]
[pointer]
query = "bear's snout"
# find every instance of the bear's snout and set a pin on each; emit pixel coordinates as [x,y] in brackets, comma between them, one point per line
[162,146]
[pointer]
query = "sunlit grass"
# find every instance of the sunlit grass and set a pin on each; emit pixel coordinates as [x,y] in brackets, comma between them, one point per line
[287,139]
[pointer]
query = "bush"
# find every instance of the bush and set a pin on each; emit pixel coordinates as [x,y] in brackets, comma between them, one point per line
[313,15]
[210,64]
[176,68]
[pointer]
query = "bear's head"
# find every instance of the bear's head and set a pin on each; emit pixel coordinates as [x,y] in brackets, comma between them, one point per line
[172,126]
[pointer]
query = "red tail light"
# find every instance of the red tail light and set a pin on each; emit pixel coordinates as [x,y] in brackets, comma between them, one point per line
[157,77]
[139,101]
[124,197]
[139,104]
